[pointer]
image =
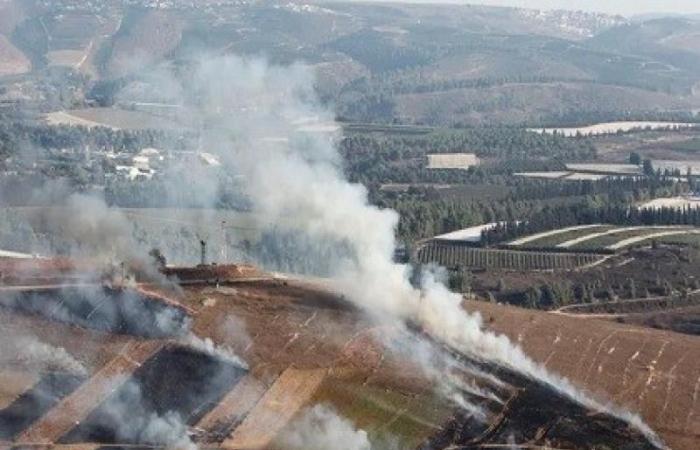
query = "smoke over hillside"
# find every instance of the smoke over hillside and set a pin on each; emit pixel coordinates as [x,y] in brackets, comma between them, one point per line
[265,124]
[267,128]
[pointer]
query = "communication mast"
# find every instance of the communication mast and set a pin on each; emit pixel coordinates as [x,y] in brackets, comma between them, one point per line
[203,252]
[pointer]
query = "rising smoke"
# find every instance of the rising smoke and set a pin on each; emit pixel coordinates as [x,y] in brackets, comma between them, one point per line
[37,356]
[321,428]
[266,124]
[128,416]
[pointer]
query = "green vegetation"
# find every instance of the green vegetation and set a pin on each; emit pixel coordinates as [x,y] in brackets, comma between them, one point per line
[454,255]
[374,409]
[389,157]
[691,146]
[611,239]
[554,240]
[565,216]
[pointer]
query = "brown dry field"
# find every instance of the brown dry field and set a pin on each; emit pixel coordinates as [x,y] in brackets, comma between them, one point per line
[292,391]
[652,372]
[301,335]
[14,382]
[655,373]
[236,404]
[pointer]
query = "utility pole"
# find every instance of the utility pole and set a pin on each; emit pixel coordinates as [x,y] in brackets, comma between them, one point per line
[224,243]
[203,250]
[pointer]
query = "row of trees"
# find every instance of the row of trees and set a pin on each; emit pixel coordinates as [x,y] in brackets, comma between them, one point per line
[17,137]
[552,295]
[386,158]
[528,206]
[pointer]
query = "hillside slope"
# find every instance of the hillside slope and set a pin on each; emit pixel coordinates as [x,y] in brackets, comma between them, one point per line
[304,348]
[655,373]
[372,58]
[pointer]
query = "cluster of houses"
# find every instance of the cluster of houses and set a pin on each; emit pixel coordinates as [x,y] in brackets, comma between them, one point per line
[144,164]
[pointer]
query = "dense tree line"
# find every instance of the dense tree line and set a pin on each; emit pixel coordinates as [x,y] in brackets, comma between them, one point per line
[387,158]
[16,136]
[166,191]
[530,207]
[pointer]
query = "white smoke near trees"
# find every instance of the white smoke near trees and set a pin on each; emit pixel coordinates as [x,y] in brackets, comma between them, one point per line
[321,428]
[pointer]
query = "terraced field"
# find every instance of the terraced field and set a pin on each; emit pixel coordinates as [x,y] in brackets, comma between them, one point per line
[605,238]
[551,234]
[624,237]
[453,255]
[683,239]
[556,240]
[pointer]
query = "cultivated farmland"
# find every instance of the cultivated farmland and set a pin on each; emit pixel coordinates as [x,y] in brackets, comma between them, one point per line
[557,237]
[604,238]
[452,255]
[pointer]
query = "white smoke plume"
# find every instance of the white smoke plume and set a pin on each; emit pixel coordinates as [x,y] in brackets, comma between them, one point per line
[34,354]
[135,422]
[207,346]
[321,428]
[266,126]
[259,117]
[234,330]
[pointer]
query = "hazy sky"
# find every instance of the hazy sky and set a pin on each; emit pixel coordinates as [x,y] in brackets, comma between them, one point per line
[625,7]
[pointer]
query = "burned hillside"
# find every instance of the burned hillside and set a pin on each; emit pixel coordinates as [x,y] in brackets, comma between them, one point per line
[300,345]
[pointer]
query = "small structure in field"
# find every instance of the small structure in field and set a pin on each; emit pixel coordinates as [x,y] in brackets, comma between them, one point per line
[452,161]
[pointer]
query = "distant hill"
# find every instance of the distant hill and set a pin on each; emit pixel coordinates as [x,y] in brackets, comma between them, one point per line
[375,60]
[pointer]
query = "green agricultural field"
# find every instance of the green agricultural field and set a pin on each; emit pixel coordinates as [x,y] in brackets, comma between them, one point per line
[450,255]
[385,414]
[605,241]
[683,239]
[691,146]
[616,235]
[609,239]
[556,239]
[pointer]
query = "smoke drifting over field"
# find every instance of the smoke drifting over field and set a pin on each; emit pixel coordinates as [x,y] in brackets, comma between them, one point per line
[36,355]
[321,428]
[266,125]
